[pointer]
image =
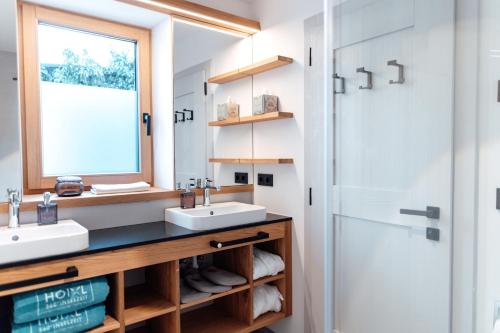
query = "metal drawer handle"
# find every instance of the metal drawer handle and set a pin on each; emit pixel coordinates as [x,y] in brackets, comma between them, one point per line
[430,212]
[260,236]
[71,272]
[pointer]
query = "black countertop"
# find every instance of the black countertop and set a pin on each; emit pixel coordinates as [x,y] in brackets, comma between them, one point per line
[140,234]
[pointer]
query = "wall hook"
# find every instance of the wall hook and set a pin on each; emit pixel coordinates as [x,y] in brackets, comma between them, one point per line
[401,72]
[191,114]
[369,78]
[183,119]
[342,84]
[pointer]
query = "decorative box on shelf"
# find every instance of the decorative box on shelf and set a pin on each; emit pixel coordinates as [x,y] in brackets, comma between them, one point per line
[229,110]
[265,104]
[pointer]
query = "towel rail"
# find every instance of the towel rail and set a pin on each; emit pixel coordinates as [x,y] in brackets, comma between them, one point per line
[260,236]
[71,272]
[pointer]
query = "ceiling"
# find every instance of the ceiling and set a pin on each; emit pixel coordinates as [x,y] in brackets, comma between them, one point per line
[183,31]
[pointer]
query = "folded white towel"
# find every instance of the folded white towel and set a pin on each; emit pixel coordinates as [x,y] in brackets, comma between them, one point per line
[266,298]
[119,188]
[266,264]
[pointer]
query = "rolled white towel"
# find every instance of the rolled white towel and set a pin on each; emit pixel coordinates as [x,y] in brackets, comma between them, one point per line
[266,298]
[119,188]
[266,264]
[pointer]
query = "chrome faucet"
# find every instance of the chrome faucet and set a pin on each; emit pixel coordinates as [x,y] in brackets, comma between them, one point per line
[14,205]
[207,186]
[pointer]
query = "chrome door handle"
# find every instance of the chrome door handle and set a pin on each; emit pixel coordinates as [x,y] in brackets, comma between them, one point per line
[430,212]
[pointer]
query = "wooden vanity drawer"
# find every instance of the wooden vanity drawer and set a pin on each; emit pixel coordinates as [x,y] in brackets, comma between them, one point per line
[108,262]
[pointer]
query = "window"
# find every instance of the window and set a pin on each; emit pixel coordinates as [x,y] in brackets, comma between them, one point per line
[87,89]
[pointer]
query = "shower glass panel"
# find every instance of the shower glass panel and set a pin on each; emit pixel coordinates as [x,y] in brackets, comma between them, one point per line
[391,64]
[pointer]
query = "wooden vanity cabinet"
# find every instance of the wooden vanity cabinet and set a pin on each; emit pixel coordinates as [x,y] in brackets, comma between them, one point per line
[154,305]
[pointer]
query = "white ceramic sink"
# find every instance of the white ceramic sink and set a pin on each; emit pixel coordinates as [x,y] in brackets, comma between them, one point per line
[215,216]
[31,241]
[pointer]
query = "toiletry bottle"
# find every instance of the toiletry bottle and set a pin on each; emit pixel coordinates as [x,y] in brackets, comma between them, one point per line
[188,198]
[47,211]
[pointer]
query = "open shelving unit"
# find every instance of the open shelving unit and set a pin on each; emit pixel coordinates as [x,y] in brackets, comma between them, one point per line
[239,73]
[155,306]
[256,68]
[251,160]
[144,283]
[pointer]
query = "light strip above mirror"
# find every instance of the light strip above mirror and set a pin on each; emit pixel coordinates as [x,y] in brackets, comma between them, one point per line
[202,15]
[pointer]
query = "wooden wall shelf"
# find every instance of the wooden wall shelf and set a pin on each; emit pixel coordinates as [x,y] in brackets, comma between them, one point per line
[252,160]
[252,119]
[258,67]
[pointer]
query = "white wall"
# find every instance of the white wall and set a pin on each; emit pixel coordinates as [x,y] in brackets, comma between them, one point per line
[488,219]
[163,101]
[10,149]
[282,33]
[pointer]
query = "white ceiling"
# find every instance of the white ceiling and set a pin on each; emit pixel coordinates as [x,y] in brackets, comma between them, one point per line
[8,25]
[183,31]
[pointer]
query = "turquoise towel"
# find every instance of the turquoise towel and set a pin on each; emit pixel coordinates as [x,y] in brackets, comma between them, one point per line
[53,301]
[73,322]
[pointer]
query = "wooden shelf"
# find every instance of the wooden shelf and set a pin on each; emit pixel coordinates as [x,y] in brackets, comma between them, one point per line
[252,160]
[141,303]
[87,199]
[268,279]
[258,67]
[268,318]
[110,324]
[216,296]
[252,119]
[211,319]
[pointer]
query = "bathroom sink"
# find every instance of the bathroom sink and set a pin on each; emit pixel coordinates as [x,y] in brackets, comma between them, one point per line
[216,216]
[31,241]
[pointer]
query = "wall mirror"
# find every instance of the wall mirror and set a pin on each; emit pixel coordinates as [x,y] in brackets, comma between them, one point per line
[10,143]
[200,53]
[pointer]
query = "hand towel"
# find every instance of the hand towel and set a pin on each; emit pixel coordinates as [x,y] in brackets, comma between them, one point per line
[119,188]
[222,277]
[72,322]
[199,283]
[189,295]
[266,264]
[56,300]
[266,298]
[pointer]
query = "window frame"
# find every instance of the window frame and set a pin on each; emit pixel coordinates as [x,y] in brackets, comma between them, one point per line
[31,15]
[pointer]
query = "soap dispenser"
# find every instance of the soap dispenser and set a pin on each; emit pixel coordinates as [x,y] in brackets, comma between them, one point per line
[188,198]
[47,211]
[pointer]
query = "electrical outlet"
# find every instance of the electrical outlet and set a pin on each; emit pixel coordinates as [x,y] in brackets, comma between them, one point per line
[265,179]
[241,177]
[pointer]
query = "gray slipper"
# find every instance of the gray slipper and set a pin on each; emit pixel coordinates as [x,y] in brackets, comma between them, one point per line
[222,277]
[199,283]
[189,295]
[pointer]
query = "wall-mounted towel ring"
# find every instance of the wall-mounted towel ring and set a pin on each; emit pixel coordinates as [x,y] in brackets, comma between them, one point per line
[401,72]
[342,84]
[183,119]
[191,116]
[369,78]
